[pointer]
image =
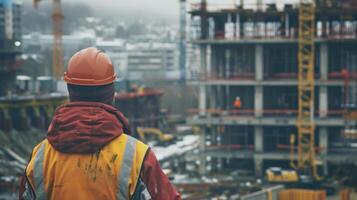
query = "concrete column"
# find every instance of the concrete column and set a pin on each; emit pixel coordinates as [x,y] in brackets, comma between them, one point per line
[202,146]
[258,101]
[227,73]
[287,25]
[323,139]
[211,60]
[323,101]
[258,97]
[324,61]
[212,97]
[259,62]
[258,139]
[258,148]
[237,26]
[258,165]
[323,144]
[260,5]
[203,60]
[228,104]
[214,135]
[202,101]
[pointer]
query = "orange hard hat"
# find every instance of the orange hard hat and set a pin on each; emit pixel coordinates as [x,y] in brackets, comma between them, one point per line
[90,67]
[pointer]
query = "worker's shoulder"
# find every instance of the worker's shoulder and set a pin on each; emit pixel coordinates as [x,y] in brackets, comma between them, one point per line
[37,147]
[133,139]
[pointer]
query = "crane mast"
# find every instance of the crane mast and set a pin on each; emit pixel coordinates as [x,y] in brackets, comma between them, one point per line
[57,52]
[57,18]
[306,61]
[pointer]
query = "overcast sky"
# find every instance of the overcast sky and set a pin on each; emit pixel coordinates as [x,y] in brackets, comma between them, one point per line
[169,8]
[156,7]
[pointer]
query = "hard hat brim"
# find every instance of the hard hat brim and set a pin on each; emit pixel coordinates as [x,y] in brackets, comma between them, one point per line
[88,82]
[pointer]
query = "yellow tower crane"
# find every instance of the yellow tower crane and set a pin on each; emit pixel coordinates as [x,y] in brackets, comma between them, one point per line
[306,165]
[306,162]
[57,54]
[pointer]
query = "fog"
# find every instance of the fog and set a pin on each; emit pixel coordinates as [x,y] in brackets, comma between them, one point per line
[139,8]
[154,8]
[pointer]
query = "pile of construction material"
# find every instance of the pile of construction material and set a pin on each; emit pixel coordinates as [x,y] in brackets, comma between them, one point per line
[300,194]
[15,149]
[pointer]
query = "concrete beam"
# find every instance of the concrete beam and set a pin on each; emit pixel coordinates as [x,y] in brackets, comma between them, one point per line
[263,121]
[266,83]
[241,154]
[265,41]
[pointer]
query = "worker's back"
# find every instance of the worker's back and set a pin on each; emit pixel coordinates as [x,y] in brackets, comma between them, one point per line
[106,174]
[86,154]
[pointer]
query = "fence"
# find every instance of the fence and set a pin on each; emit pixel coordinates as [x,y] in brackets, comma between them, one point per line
[299,194]
[265,194]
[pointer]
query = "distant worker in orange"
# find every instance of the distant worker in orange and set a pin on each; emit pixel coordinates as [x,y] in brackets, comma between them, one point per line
[88,153]
[345,73]
[237,103]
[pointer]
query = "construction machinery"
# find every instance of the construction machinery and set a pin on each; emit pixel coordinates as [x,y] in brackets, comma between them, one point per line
[147,134]
[279,175]
[57,54]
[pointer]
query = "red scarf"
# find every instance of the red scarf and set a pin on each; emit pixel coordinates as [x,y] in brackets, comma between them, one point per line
[85,127]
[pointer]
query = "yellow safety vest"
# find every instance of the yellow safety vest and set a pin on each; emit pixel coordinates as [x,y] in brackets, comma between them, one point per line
[112,173]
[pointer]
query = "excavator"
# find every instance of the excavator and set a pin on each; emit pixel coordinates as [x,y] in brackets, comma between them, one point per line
[148,134]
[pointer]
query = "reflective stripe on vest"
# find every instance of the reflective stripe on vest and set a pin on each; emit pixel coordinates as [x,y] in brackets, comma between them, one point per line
[125,171]
[38,173]
[126,179]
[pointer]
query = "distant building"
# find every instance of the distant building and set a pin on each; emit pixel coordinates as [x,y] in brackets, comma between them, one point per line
[152,56]
[144,60]
[39,43]
[116,45]
[132,60]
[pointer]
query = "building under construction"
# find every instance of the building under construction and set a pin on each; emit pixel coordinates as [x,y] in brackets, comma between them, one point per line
[251,52]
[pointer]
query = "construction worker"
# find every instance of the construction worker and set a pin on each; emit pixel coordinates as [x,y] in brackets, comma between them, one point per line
[237,103]
[88,152]
[345,73]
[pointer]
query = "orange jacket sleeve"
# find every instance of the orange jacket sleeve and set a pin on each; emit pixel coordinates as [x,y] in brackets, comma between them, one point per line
[156,181]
